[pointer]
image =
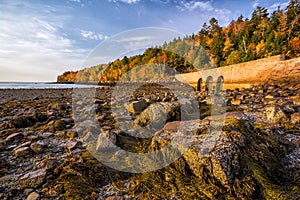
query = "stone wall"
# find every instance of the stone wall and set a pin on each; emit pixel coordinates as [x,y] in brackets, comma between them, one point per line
[275,68]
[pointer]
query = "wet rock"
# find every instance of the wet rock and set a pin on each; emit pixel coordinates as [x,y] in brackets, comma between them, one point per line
[14,136]
[33,196]
[236,102]
[73,145]
[157,114]
[269,96]
[137,107]
[228,115]
[237,158]
[2,145]
[33,179]
[275,114]
[27,191]
[37,147]
[295,118]
[20,152]
[47,135]
[236,115]
[23,121]
[88,130]
[4,166]
[59,106]
[33,138]
[115,198]
[49,163]
[60,133]
[72,133]
[59,125]
[296,100]
[40,117]
[26,144]
[106,141]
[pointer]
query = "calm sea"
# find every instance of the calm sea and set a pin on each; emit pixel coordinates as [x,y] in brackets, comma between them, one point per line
[41,85]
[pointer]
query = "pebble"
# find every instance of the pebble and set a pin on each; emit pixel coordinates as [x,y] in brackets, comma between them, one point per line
[23,151]
[72,134]
[14,136]
[33,196]
[59,125]
[33,179]
[37,147]
[236,102]
[295,118]
[49,163]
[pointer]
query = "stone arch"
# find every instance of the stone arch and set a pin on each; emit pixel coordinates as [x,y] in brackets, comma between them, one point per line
[220,84]
[199,85]
[209,83]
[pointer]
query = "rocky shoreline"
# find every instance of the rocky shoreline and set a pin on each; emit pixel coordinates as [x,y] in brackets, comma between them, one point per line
[46,154]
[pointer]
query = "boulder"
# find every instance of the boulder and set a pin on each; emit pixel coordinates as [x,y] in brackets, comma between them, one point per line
[156,115]
[137,107]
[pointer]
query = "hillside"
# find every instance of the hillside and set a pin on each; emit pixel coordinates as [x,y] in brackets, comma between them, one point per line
[264,35]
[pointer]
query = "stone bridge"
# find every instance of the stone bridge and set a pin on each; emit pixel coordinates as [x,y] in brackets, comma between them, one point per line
[244,75]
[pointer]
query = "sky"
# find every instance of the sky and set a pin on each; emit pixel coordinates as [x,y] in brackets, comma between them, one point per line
[40,39]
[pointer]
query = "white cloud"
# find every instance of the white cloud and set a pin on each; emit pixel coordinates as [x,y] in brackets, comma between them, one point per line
[274,6]
[93,36]
[125,1]
[33,47]
[271,7]
[79,2]
[223,16]
[255,4]
[161,1]
[193,5]
[206,10]
[136,39]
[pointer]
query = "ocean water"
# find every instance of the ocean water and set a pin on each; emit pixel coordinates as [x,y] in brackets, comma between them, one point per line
[41,85]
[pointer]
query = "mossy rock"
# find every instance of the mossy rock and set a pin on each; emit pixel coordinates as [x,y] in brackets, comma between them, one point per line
[261,174]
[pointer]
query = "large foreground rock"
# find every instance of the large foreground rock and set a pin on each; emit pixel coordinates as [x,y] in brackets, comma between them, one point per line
[241,161]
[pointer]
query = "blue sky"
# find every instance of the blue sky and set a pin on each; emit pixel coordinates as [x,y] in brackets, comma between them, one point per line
[43,38]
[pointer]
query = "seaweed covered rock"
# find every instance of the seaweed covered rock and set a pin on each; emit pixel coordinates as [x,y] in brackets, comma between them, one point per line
[275,114]
[240,162]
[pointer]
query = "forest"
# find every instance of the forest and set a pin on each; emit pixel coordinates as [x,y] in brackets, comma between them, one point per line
[264,35]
